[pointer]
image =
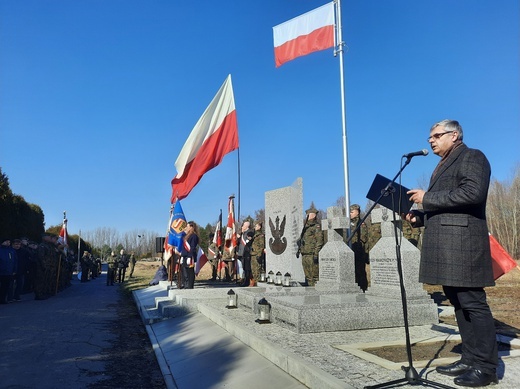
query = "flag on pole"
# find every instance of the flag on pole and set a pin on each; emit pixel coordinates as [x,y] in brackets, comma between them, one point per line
[214,135]
[176,228]
[217,237]
[201,260]
[501,260]
[63,239]
[168,250]
[305,34]
[231,238]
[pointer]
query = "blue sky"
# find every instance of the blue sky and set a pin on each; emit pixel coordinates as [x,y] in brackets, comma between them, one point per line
[98,97]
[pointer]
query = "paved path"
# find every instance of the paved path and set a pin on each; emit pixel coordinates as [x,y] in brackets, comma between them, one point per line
[57,343]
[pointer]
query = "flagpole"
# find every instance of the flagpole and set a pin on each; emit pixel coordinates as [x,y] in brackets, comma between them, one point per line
[339,49]
[238,158]
[79,254]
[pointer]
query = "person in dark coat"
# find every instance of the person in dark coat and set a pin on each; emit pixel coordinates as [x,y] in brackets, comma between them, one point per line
[456,252]
[189,254]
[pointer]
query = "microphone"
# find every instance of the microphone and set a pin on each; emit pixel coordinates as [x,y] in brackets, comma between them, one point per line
[416,153]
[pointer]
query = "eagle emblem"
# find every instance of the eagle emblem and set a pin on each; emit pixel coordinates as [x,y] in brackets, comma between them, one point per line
[278,243]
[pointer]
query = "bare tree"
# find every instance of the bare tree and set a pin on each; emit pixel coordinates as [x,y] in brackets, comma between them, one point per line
[503,212]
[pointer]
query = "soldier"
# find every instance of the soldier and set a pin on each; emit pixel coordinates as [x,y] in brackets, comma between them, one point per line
[359,244]
[133,260]
[258,252]
[111,268]
[413,235]
[310,244]
[213,257]
[45,272]
[84,263]
[228,256]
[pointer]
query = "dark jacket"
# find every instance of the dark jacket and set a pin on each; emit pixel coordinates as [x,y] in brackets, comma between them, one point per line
[455,249]
[8,261]
[189,247]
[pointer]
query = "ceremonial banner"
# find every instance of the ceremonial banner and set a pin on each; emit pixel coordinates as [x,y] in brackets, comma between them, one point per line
[231,237]
[214,135]
[217,237]
[176,229]
[305,34]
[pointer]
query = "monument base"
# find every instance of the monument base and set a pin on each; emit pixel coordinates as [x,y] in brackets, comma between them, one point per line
[305,310]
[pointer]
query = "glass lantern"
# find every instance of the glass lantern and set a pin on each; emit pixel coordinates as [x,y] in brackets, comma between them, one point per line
[287,279]
[278,279]
[232,299]
[264,312]
[262,276]
[270,277]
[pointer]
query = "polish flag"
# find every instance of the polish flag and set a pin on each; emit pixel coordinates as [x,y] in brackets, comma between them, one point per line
[214,135]
[231,237]
[305,34]
[201,261]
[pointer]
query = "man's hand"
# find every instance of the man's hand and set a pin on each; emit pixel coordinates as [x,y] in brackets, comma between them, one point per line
[416,195]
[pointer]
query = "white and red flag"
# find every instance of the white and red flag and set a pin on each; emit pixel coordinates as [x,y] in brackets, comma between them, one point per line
[201,260]
[64,236]
[217,237]
[214,135]
[305,34]
[231,236]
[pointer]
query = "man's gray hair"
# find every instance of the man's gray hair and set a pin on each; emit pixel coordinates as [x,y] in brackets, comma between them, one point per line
[450,125]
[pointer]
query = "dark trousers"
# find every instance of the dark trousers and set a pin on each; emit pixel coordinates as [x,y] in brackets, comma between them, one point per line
[121,274]
[5,284]
[111,275]
[188,275]
[476,327]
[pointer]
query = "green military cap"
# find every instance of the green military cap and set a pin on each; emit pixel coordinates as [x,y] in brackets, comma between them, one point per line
[355,207]
[311,210]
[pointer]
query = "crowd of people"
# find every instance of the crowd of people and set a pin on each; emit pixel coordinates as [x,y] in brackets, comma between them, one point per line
[43,268]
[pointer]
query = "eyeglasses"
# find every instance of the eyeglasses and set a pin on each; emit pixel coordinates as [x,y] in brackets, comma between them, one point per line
[437,136]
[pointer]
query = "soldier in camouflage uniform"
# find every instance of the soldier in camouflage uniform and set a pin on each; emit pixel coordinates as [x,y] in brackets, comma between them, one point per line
[228,258]
[258,252]
[213,256]
[359,244]
[413,235]
[45,271]
[310,246]
[111,269]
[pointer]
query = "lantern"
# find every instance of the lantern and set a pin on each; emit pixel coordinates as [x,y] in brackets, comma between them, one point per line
[264,312]
[262,276]
[278,279]
[232,299]
[270,277]
[287,279]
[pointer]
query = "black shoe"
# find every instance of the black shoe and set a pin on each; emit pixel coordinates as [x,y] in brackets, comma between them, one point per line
[454,369]
[476,378]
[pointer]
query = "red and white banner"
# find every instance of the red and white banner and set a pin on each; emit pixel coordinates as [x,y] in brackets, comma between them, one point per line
[305,34]
[231,237]
[214,135]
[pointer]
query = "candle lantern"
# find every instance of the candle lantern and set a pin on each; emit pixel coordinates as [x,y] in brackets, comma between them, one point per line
[278,279]
[262,276]
[232,299]
[270,277]
[287,279]
[264,312]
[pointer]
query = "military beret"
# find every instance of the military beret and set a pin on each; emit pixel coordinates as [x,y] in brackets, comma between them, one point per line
[355,207]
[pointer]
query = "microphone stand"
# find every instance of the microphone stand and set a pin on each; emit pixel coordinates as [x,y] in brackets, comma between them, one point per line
[411,375]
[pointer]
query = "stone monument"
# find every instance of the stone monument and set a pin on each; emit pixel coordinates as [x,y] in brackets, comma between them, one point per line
[337,271]
[283,225]
[384,278]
